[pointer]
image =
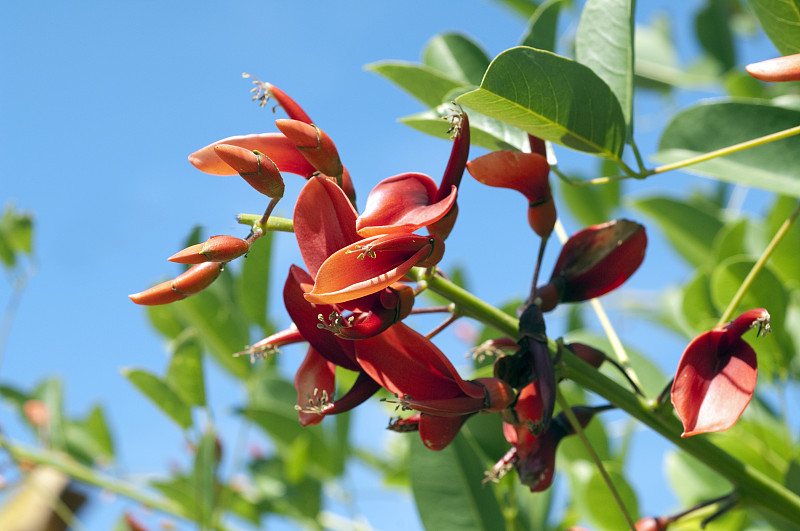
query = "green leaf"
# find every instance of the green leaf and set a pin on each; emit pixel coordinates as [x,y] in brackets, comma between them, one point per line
[553,98]
[16,234]
[604,43]
[252,284]
[596,501]
[710,126]
[542,26]
[96,425]
[713,29]
[784,258]
[691,228]
[484,131]
[162,395]
[699,311]
[50,392]
[591,204]
[219,323]
[524,8]
[451,479]
[780,19]
[205,479]
[185,372]
[422,82]
[457,57]
[165,320]
[692,480]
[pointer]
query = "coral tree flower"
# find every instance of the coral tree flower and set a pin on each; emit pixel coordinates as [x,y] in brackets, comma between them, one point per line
[594,261]
[786,68]
[716,376]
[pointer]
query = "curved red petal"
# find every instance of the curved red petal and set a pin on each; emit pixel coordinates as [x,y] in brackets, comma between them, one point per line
[368,266]
[277,147]
[403,203]
[437,432]
[712,387]
[315,382]
[324,222]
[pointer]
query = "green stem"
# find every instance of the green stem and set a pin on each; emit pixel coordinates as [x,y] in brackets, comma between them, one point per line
[273,223]
[727,315]
[786,133]
[90,476]
[751,485]
[576,425]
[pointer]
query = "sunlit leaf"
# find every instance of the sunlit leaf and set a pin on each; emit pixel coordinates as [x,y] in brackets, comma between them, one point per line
[452,478]
[604,43]
[784,258]
[699,311]
[715,125]
[780,19]
[50,392]
[484,131]
[692,480]
[97,427]
[457,57]
[553,98]
[162,395]
[598,504]
[204,476]
[422,82]
[542,26]
[524,8]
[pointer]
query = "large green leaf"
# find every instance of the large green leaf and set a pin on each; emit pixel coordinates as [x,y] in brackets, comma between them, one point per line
[710,126]
[448,490]
[604,43]
[691,228]
[204,474]
[484,131]
[162,395]
[253,282]
[713,28]
[185,372]
[780,20]
[457,57]
[542,26]
[784,258]
[596,501]
[423,82]
[592,204]
[552,97]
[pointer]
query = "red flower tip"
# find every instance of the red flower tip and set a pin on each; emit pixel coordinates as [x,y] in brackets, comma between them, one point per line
[215,249]
[590,355]
[716,376]
[390,306]
[257,169]
[195,279]
[403,203]
[785,68]
[499,395]
[438,432]
[277,147]
[599,259]
[528,174]
[315,145]
[264,91]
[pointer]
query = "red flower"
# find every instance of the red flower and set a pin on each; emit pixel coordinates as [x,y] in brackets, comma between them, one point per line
[594,261]
[716,376]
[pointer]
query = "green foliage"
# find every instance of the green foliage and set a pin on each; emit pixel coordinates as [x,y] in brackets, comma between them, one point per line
[553,98]
[780,19]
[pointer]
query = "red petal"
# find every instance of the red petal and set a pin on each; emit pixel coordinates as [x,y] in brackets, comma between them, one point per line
[524,172]
[712,388]
[368,266]
[406,363]
[315,382]
[324,222]
[277,147]
[437,432]
[403,203]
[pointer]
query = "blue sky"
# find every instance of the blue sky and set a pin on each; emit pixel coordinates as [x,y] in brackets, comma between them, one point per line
[101,103]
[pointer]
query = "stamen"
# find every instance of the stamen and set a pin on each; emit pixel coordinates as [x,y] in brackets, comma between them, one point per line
[316,404]
[367,251]
[337,322]
[501,468]
[258,352]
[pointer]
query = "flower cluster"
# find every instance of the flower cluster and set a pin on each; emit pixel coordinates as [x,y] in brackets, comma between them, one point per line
[349,299]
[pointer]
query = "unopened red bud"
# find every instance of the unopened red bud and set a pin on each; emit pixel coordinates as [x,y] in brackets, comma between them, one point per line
[785,68]
[599,259]
[194,280]
[36,412]
[315,145]
[257,169]
[542,217]
[215,249]
[590,355]
[549,297]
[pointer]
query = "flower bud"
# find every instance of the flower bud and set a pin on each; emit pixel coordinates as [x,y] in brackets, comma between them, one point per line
[785,68]
[598,259]
[215,249]
[194,280]
[315,145]
[257,169]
